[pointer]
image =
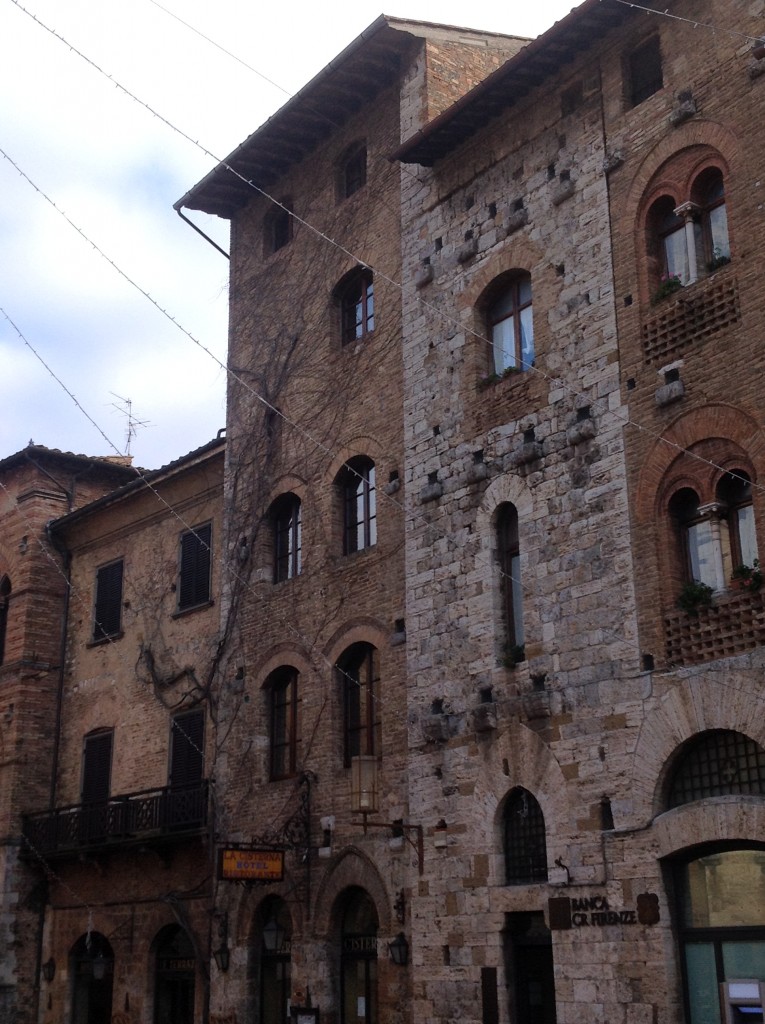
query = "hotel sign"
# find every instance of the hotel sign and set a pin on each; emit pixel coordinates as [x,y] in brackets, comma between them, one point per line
[242,865]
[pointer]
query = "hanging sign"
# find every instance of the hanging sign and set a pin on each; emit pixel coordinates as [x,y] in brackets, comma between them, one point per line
[241,865]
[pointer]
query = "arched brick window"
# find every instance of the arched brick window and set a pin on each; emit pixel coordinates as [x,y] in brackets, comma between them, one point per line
[713,526]
[282,688]
[686,221]
[358,670]
[357,486]
[355,300]
[286,528]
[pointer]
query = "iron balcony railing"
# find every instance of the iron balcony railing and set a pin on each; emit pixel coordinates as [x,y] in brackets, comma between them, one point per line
[150,815]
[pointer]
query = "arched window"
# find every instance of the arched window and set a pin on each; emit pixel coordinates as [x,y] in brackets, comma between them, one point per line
[358,974]
[277,226]
[91,965]
[356,299]
[717,535]
[524,839]
[359,674]
[509,558]
[357,487]
[5,597]
[510,323]
[287,540]
[174,977]
[709,196]
[274,946]
[687,231]
[282,687]
[352,170]
[717,763]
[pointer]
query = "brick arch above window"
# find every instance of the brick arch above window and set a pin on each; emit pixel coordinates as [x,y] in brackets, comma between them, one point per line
[709,421]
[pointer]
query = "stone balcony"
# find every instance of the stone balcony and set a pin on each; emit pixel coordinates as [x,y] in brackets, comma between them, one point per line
[152,816]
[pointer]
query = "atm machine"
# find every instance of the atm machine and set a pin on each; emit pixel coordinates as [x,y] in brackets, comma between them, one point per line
[742,1000]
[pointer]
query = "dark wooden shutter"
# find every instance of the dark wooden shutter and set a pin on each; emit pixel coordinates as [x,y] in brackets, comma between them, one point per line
[187,736]
[97,767]
[108,610]
[195,567]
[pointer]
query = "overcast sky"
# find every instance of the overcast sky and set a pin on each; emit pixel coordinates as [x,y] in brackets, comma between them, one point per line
[116,170]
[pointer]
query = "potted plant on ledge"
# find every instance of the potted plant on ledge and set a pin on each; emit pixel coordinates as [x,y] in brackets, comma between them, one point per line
[668,285]
[693,596]
[748,577]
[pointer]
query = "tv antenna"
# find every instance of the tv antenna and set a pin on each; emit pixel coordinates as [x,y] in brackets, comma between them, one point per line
[133,423]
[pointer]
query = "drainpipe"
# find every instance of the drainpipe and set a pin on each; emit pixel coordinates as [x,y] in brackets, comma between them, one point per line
[199,231]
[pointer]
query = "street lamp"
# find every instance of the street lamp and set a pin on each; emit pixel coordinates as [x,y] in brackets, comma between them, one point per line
[399,950]
[49,970]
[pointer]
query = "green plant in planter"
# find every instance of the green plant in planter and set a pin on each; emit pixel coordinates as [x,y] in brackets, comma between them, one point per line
[719,259]
[487,380]
[668,284]
[750,576]
[693,596]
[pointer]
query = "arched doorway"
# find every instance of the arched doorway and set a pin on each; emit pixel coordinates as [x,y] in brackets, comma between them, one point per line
[174,977]
[274,940]
[358,959]
[91,961]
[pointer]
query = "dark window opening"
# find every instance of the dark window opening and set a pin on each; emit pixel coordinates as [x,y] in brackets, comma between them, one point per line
[287,537]
[353,174]
[357,485]
[357,307]
[277,227]
[194,572]
[5,597]
[108,605]
[358,671]
[283,694]
[717,763]
[511,591]
[524,839]
[645,71]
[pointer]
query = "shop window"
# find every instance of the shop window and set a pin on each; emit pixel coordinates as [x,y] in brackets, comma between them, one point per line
[353,170]
[173,977]
[719,899]
[5,599]
[510,323]
[644,71]
[282,688]
[275,962]
[277,227]
[287,540]
[359,676]
[91,970]
[107,616]
[524,839]
[358,971]
[717,763]
[355,298]
[358,492]
[194,567]
[509,558]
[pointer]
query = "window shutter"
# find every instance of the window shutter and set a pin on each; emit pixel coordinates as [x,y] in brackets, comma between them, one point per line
[195,567]
[108,610]
[187,749]
[97,768]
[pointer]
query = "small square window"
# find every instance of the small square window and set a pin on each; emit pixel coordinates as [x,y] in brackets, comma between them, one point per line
[277,227]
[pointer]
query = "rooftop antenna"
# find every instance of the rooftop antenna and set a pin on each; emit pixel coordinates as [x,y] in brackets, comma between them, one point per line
[133,424]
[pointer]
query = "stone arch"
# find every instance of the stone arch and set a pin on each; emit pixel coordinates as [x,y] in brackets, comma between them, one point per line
[530,764]
[717,699]
[718,820]
[518,253]
[362,629]
[351,869]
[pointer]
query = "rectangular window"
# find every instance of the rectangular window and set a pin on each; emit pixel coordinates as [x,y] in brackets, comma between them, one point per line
[283,696]
[194,574]
[187,736]
[107,616]
[96,767]
[644,71]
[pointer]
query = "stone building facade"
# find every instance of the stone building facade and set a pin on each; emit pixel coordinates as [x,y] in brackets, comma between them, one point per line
[473,700]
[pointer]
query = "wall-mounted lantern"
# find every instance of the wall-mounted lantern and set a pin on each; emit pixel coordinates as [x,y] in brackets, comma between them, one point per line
[49,970]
